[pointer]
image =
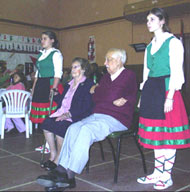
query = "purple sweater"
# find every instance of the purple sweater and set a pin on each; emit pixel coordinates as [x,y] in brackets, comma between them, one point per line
[123,86]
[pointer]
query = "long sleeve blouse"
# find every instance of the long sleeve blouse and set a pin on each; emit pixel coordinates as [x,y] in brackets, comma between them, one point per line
[176,55]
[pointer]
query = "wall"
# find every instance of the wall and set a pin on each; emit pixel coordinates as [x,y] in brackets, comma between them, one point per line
[39,12]
[36,16]
[113,34]
[74,12]
[119,34]
[19,30]
[73,42]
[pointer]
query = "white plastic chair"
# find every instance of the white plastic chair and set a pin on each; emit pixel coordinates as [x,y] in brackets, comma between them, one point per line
[1,108]
[16,106]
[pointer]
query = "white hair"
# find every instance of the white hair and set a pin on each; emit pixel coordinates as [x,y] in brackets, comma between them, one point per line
[121,53]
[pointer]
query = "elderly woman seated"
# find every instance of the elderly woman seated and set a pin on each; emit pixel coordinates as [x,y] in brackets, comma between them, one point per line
[114,100]
[74,104]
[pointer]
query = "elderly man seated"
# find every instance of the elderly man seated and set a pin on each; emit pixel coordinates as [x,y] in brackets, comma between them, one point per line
[114,100]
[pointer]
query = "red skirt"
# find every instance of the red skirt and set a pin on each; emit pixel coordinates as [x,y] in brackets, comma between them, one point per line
[171,133]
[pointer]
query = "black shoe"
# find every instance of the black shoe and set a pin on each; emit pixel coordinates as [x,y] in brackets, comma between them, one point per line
[54,188]
[48,165]
[61,186]
[51,179]
[66,183]
[55,172]
[56,181]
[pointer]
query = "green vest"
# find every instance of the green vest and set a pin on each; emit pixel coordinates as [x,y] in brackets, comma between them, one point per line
[45,67]
[159,62]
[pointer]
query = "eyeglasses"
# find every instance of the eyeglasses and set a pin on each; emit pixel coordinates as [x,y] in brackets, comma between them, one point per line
[75,67]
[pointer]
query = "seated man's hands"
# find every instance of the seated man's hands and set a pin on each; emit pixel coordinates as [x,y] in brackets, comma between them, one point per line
[120,102]
[92,89]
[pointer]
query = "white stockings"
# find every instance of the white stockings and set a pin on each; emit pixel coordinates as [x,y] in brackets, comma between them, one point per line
[161,176]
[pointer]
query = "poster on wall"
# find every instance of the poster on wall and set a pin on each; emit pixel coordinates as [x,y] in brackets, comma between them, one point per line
[13,59]
[16,50]
[22,44]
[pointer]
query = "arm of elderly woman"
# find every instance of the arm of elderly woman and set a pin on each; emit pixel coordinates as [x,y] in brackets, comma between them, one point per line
[92,89]
[82,101]
[81,104]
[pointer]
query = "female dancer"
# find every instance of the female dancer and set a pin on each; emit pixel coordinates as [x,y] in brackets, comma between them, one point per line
[163,120]
[48,75]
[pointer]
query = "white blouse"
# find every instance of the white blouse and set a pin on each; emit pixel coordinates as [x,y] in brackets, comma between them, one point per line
[57,61]
[176,54]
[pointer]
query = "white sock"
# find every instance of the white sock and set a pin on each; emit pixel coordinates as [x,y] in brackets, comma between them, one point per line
[47,145]
[170,155]
[159,162]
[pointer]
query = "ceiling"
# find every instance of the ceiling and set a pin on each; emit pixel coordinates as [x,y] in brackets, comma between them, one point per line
[138,15]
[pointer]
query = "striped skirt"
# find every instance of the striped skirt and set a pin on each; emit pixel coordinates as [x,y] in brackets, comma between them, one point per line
[173,132]
[40,108]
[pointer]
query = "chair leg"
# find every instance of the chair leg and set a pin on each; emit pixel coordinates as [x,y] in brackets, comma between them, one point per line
[102,154]
[43,151]
[27,126]
[101,150]
[117,159]
[88,163]
[112,149]
[142,154]
[3,127]
[30,127]
[87,166]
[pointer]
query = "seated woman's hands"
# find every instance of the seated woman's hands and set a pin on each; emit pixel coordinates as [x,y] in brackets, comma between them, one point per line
[92,89]
[120,102]
[64,116]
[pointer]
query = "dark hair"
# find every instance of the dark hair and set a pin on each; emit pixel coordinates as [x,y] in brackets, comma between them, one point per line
[3,66]
[84,65]
[161,14]
[52,35]
[95,74]
[22,78]
[67,70]
[94,67]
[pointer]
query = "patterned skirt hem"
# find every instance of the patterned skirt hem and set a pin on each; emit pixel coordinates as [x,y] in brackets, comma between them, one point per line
[148,146]
[40,111]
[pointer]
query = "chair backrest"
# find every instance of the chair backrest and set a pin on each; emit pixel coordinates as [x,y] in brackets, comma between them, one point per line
[15,100]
